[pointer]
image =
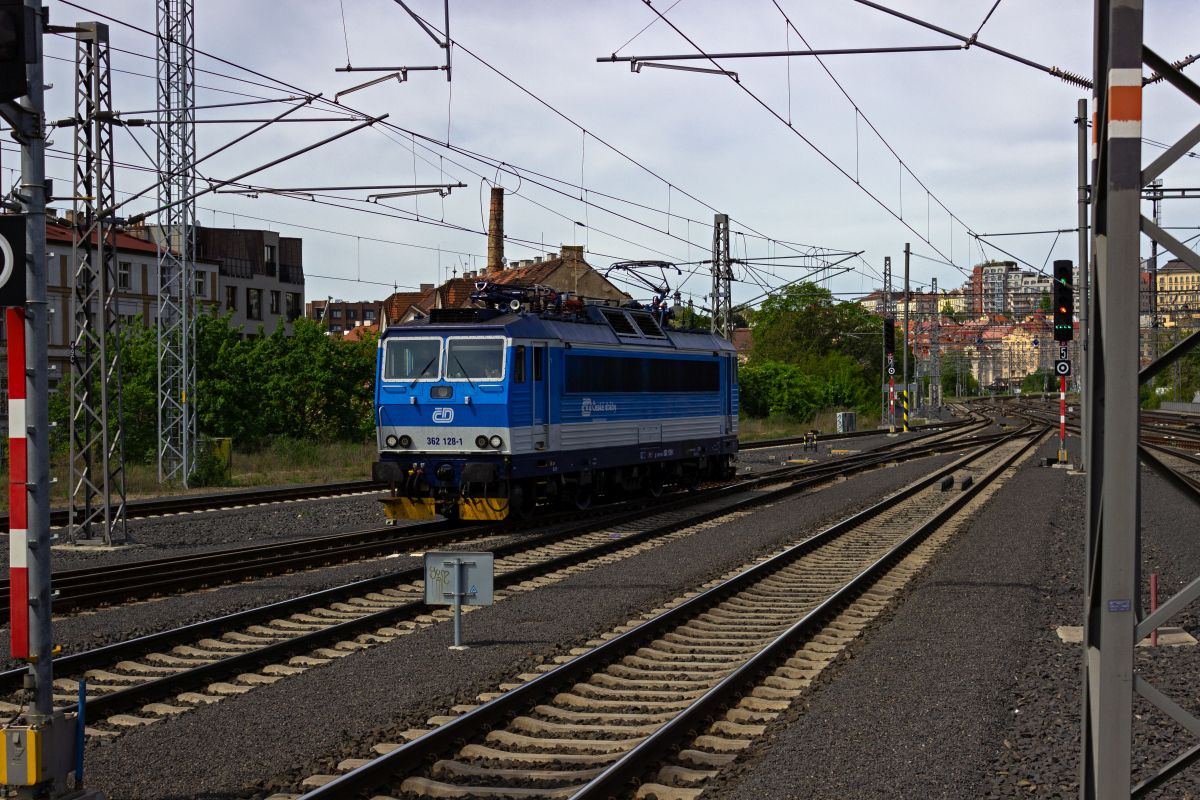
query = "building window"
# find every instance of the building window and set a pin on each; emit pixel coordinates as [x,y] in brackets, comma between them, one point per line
[368,314]
[269,254]
[201,285]
[275,302]
[295,302]
[335,313]
[351,313]
[124,275]
[253,303]
[231,298]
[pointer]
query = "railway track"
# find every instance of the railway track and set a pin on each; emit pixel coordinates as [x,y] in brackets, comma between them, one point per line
[668,700]
[144,680]
[91,587]
[240,498]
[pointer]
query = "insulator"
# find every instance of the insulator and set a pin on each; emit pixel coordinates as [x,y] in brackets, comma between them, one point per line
[1071,77]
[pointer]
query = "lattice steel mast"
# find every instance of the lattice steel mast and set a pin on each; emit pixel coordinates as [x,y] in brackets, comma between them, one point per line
[97,471]
[722,279]
[176,260]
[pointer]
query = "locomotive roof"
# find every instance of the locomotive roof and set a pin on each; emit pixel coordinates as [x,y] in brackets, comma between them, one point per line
[596,330]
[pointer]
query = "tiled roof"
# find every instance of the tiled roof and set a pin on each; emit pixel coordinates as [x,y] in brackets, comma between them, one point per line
[399,303]
[534,273]
[359,331]
[61,234]
[456,292]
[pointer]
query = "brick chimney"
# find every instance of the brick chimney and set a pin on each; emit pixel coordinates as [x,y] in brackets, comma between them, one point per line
[572,252]
[496,232]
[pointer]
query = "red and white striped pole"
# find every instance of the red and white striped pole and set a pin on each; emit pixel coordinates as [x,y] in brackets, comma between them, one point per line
[1062,419]
[18,467]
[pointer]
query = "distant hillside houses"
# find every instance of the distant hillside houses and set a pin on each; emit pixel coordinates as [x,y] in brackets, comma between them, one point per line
[996,323]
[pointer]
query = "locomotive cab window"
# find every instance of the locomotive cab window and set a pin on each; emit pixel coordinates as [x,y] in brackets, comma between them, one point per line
[412,359]
[475,359]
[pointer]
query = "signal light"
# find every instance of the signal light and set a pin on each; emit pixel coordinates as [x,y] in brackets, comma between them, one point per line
[889,335]
[17,48]
[1064,302]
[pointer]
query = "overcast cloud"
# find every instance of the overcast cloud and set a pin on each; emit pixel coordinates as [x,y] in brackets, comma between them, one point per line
[992,139]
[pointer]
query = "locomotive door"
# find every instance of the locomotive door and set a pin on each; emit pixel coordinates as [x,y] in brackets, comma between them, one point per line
[540,386]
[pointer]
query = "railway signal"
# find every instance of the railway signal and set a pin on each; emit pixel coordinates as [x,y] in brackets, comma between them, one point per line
[17,48]
[1064,302]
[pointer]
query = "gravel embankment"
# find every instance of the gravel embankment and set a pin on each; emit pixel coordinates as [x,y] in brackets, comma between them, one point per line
[964,689]
[278,734]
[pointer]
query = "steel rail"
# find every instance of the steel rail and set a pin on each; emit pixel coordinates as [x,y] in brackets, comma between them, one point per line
[469,726]
[93,586]
[213,501]
[142,693]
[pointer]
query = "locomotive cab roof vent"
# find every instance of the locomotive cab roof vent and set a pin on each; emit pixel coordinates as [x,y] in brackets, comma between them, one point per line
[619,322]
[647,324]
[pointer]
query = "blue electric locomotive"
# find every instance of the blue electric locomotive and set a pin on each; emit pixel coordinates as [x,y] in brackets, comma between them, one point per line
[488,412]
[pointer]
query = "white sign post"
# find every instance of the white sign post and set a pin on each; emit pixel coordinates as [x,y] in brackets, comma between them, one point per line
[458,578]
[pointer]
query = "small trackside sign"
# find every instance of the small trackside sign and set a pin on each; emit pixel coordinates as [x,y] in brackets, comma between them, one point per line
[1062,367]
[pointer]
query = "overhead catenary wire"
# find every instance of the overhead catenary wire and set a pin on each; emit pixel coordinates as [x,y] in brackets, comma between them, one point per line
[741,85]
[293,88]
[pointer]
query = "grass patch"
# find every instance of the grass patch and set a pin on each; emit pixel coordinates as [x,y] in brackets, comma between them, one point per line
[287,461]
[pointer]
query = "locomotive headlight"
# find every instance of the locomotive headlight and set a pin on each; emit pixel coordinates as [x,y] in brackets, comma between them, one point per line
[391,440]
[406,441]
[495,442]
[481,442]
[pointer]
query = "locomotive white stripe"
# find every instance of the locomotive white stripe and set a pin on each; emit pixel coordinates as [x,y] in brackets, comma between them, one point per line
[597,433]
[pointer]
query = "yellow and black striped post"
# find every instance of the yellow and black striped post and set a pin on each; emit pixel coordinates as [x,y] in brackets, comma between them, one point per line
[904,400]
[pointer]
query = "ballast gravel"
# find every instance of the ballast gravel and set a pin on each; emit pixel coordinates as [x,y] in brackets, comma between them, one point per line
[203,531]
[91,629]
[965,689]
[273,737]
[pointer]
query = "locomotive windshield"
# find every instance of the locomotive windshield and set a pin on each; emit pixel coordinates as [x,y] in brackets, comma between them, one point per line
[475,359]
[412,359]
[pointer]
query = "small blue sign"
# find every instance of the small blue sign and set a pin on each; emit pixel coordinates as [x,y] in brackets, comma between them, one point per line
[1036,342]
[1120,605]
[979,340]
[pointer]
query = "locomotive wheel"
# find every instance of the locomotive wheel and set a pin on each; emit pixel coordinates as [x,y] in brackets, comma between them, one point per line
[521,500]
[654,482]
[582,497]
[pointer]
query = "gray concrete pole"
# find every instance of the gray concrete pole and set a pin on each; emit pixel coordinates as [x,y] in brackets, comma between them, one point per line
[33,191]
[1112,598]
[1085,268]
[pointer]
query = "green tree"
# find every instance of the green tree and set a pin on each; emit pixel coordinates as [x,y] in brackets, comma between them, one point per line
[1035,381]
[956,373]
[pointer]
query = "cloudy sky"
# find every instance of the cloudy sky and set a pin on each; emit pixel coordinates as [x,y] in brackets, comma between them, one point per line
[633,165]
